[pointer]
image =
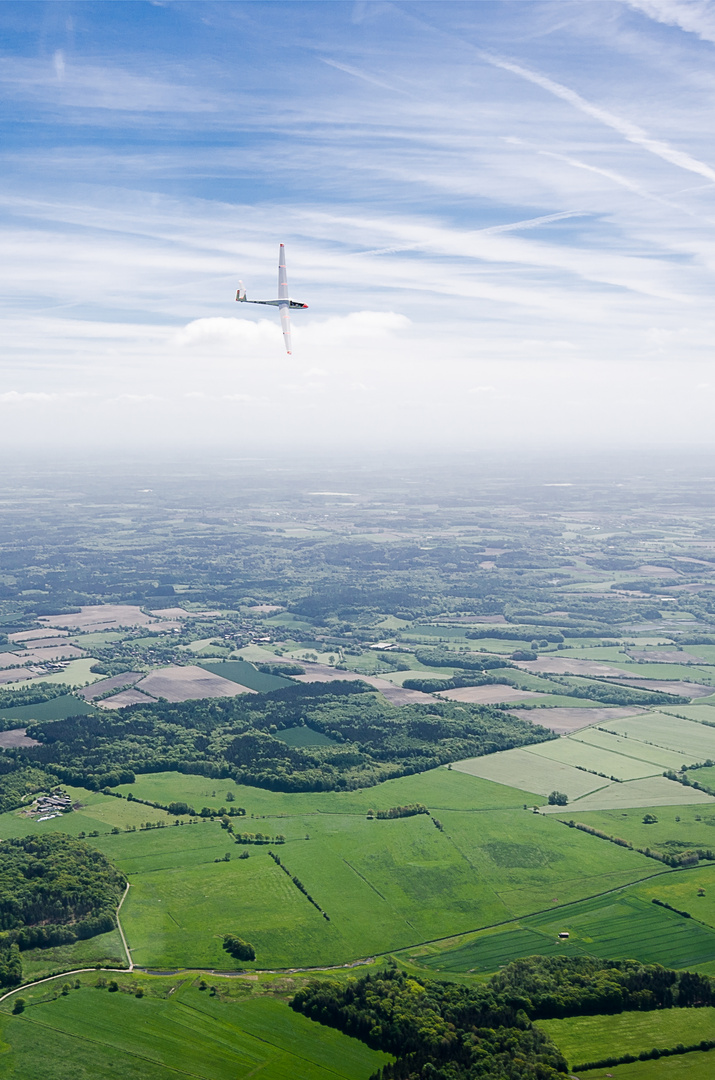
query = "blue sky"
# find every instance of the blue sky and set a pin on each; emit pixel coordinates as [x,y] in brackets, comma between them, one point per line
[500,214]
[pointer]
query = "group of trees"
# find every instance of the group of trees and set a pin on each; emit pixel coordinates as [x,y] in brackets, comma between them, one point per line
[447,1031]
[443,1031]
[239,949]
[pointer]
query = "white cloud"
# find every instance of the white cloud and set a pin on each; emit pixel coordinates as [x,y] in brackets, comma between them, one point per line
[693,16]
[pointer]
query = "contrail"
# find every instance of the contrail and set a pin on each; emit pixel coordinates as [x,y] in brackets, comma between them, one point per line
[529,223]
[630,131]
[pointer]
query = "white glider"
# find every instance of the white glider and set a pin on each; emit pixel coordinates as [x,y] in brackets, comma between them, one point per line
[283,303]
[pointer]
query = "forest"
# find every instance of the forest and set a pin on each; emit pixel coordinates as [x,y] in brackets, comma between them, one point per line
[240,738]
[54,889]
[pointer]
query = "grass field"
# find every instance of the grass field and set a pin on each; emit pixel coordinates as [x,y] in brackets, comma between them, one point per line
[304,736]
[440,788]
[105,949]
[55,709]
[592,1038]
[677,827]
[91,1034]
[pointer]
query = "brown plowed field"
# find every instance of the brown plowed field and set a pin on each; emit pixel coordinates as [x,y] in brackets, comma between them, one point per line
[564,719]
[491,695]
[100,617]
[188,684]
[124,698]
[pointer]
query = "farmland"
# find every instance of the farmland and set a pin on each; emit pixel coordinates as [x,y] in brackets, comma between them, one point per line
[622,924]
[91,1033]
[593,1038]
[478,880]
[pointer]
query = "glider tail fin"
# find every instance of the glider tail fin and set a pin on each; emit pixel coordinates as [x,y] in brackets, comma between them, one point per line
[241,294]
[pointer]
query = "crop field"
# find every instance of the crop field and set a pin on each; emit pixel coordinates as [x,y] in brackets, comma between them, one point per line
[127,678]
[132,696]
[91,1034]
[685,736]
[626,926]
[100,617]
[488,952]
[572,751]
[55,709]
[528,771]
[623,924]
[592,1038]
[240,671]
[651,791]
[695,1066]
[702,712]
[632,748]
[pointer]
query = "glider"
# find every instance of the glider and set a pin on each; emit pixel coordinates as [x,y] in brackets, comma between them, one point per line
[283,303]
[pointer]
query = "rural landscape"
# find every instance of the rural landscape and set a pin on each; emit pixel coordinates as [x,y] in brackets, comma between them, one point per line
[363,772]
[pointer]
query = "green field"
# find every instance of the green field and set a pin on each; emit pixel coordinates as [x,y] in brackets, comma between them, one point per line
[666,672]
[626,926]
[385,884]
[573,751]
[92,1034]
[670,732]
[245,674]
[620,925]
[488,952]
[74,673]
[592,1038]
[105,949]
[631,748]
[696,1066]
[677,827]
[531,771]
[650,791]
[55,709]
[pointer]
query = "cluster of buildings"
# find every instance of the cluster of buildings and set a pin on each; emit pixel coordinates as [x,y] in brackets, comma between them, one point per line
[57,802]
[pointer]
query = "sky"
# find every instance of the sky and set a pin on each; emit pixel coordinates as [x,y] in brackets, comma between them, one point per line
[501,216]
